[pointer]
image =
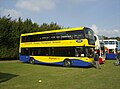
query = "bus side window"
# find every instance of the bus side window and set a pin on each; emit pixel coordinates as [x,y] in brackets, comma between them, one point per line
[79,52]
[24,38]
[24,51]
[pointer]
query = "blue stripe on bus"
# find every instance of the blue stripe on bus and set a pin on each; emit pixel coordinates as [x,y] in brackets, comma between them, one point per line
[111,56]
[75,62]
[24,58]
[81,63]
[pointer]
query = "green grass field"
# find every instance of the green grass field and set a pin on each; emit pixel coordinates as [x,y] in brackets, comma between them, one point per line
[18,75]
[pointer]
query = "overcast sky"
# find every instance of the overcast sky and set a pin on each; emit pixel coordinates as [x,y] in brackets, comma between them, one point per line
[103,16]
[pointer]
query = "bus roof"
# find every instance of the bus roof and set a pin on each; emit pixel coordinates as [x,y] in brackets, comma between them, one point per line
[110,40]
[52,31]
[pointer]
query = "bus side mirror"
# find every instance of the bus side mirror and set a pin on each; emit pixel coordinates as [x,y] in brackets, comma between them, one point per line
[95,38]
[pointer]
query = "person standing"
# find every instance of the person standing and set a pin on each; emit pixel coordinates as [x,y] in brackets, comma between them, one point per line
[96,59]
[118,58]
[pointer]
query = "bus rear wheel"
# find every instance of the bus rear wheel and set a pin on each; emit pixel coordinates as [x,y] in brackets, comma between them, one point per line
[67,63]
[32,61]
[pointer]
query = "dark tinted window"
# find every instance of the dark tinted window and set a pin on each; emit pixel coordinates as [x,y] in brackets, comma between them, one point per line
[89,34]
[59,51]
[89,52]
[54,36]
[49,51]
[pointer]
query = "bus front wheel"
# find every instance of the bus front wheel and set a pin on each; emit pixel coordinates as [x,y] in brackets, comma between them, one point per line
[32,61]
[67,63]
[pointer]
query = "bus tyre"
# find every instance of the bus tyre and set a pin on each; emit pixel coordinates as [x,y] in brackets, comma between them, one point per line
[32,60]
[67,63]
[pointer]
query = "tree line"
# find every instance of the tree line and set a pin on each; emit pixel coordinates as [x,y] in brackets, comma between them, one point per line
[11,29]
[117,38]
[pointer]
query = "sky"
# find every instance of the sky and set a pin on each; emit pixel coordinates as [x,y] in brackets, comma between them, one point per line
[103,16]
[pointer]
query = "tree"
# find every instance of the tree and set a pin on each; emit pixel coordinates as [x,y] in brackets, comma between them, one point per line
[51,26]
[11,30]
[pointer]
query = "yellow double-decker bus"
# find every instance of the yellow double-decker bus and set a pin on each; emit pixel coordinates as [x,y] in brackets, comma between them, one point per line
[67,47]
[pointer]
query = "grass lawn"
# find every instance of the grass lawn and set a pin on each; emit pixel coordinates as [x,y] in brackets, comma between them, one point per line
[18,75]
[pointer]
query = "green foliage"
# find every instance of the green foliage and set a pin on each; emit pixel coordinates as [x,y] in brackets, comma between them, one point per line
[53,26]
[117,38]
[10,31]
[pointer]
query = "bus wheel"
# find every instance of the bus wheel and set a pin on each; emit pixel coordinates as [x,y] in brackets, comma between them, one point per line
[32,61]
[67,63]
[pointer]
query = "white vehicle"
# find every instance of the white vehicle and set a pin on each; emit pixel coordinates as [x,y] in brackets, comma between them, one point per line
[99,46]
[119,45]
[111,45]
